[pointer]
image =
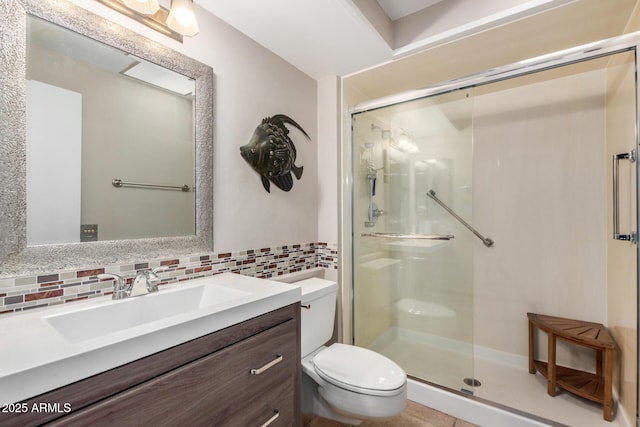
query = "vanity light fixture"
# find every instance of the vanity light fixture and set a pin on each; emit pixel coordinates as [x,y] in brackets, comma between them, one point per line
[146,7]
[182,18]
[175,23]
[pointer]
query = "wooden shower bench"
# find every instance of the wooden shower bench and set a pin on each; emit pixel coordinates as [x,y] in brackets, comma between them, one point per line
[596,387]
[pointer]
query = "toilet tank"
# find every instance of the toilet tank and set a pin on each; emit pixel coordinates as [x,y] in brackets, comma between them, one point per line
[319,295]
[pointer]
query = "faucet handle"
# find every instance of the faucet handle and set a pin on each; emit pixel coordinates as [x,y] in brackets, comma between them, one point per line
[152,281]
[145,281]
[153,278]
[120,288]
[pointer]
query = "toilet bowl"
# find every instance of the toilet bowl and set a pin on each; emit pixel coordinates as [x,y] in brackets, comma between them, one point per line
[343,382]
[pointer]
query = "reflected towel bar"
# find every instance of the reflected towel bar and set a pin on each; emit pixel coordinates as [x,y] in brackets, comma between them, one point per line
[118,183]
[487,241]
[409,236]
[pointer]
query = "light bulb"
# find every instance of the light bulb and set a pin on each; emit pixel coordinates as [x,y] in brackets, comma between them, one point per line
[182,18]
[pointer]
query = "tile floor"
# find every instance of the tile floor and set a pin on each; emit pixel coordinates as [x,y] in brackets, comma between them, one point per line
[414,415]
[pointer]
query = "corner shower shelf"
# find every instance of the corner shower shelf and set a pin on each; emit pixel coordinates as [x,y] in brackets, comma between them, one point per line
[596,387]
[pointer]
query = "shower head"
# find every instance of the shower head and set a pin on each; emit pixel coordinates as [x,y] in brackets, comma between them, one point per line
[384,133]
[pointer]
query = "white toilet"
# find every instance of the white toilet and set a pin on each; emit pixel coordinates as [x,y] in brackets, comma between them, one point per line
[343,382]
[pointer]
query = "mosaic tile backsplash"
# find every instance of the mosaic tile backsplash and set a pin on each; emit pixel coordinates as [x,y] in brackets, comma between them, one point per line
[23,293]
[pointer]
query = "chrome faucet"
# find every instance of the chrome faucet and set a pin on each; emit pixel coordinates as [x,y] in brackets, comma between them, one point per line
[146,281]
[120,287]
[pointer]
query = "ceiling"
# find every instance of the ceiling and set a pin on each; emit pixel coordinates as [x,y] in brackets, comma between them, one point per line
[326,38]
[58,40]
[399,9]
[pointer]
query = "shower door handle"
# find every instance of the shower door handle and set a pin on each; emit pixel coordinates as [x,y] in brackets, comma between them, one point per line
[631,156]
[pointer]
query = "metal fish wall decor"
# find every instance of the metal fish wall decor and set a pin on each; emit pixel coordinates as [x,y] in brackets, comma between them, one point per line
[271,152]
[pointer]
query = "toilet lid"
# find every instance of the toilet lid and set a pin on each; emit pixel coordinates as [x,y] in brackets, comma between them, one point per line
[358,369]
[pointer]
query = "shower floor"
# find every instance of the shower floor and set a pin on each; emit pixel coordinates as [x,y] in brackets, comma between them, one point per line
[447,363]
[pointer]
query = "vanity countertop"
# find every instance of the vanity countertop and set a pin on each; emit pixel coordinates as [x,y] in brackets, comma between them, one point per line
[37,357]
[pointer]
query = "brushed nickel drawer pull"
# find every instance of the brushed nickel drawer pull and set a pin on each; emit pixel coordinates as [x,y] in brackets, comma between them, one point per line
[274,362]
[272,419]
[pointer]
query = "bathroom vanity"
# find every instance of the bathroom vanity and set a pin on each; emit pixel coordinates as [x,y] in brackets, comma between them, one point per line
[247,373]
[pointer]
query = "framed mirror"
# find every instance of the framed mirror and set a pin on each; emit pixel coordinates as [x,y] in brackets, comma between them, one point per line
[79,152]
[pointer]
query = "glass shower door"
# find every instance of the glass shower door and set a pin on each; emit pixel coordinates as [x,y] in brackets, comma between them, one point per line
[412,252]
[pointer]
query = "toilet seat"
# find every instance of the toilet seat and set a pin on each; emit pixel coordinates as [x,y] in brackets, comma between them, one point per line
[359,370]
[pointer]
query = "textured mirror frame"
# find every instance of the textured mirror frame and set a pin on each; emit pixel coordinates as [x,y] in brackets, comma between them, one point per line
[15,257]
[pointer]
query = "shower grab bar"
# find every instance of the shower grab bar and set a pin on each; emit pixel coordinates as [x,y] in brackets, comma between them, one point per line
[410,236]
[118,183]
[487,241]
[631,156]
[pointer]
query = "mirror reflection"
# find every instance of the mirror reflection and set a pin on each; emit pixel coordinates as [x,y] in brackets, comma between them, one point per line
[94,115]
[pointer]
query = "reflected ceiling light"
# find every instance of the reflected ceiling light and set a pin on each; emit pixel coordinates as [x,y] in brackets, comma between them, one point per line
[160,77]
[175,23]
[182,18]
[404,142]
[146,7]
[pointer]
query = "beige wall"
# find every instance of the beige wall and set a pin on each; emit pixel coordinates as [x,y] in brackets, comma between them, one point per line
[539,191]
[328,137]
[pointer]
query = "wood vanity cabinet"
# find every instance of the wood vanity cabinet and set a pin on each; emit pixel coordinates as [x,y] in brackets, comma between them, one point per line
[244,375]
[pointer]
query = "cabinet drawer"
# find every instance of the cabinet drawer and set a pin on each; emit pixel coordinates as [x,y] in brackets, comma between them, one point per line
[265,407]
[208,391]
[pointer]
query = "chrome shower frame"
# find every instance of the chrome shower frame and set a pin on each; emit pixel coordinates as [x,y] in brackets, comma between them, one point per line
[598,49]
[573,55]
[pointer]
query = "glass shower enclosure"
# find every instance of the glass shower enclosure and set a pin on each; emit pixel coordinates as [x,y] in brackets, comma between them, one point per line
[414,261]
[484,198]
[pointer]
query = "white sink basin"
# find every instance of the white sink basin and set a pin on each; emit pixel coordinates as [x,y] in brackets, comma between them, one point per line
[43,349]
[93,322]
